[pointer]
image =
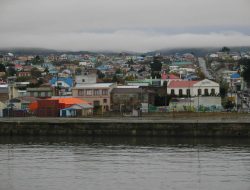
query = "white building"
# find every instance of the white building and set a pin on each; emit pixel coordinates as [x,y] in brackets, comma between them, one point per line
[193,88]
[86,78]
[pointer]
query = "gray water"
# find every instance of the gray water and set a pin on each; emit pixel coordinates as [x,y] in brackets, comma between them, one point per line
[124,164]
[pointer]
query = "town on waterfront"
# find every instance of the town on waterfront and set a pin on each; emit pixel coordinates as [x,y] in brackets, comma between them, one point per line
[124,95]
[85,84]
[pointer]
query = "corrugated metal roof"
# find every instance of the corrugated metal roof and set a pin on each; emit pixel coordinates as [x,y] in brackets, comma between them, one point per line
[95,85]
[181,84]
[67,80]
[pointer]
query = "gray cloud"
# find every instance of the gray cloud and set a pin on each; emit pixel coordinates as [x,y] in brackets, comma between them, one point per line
[136,25]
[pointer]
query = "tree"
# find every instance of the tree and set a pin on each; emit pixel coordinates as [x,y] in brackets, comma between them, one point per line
[115,78]
[246,69]
[200,74]
[35,73]
[142,69]
[46,70]
[130,62]
[229,105]
[37,60]
[223,89]
[100,75]
[11,71]
[2,68]
[130,78]
[225,49]
[118,71]
[78,71]
[156,67]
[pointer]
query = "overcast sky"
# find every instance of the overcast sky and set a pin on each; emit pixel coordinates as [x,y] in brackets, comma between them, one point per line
[119,25]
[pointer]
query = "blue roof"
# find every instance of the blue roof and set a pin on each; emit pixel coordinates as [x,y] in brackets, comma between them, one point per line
[103,67]
[191,77]
[68,80]
[53,71]
[235,76]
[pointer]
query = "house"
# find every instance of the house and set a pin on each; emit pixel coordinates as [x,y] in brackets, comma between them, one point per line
[235,82]
[65,73]
[40,92]
[17,89]
[77,110]
[2,74]
[62,84]
[4,93]
[214,55]
[128,98]
[182,63]
[2,107]
[87,64]
[98,94]
[165,76]
[18,67]
[86,78]
[23,74]
[63,106]
[193,88]
[134,74]
[22,103]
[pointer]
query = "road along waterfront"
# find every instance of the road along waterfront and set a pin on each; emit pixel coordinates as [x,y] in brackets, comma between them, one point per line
[192,127]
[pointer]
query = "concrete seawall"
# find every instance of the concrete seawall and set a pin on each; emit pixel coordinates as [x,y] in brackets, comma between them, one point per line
[123,127]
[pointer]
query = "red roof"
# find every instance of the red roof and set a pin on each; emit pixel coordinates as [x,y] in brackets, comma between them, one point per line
[169,76]
[69,101]
[63,102]
[181,84]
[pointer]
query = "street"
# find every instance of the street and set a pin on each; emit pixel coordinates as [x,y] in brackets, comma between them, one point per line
[203,66]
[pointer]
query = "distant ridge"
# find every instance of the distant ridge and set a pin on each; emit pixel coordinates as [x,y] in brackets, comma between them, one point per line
[196,51]
[28,51]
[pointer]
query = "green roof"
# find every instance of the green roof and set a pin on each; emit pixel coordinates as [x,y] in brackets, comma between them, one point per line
[182,63]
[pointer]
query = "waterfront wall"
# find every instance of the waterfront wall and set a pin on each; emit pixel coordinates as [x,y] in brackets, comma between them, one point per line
[126,128]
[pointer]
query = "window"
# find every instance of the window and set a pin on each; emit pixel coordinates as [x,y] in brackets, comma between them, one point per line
[88,92]
[96,103]
[104,92]
[199,92]
[212,91]
[83,80]
[96,92]
[80,92]
[188,92]
[42,94]
[105,101]
[206,92]
[180,92]
[172,91]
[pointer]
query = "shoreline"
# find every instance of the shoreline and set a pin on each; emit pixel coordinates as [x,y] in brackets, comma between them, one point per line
[144,126]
